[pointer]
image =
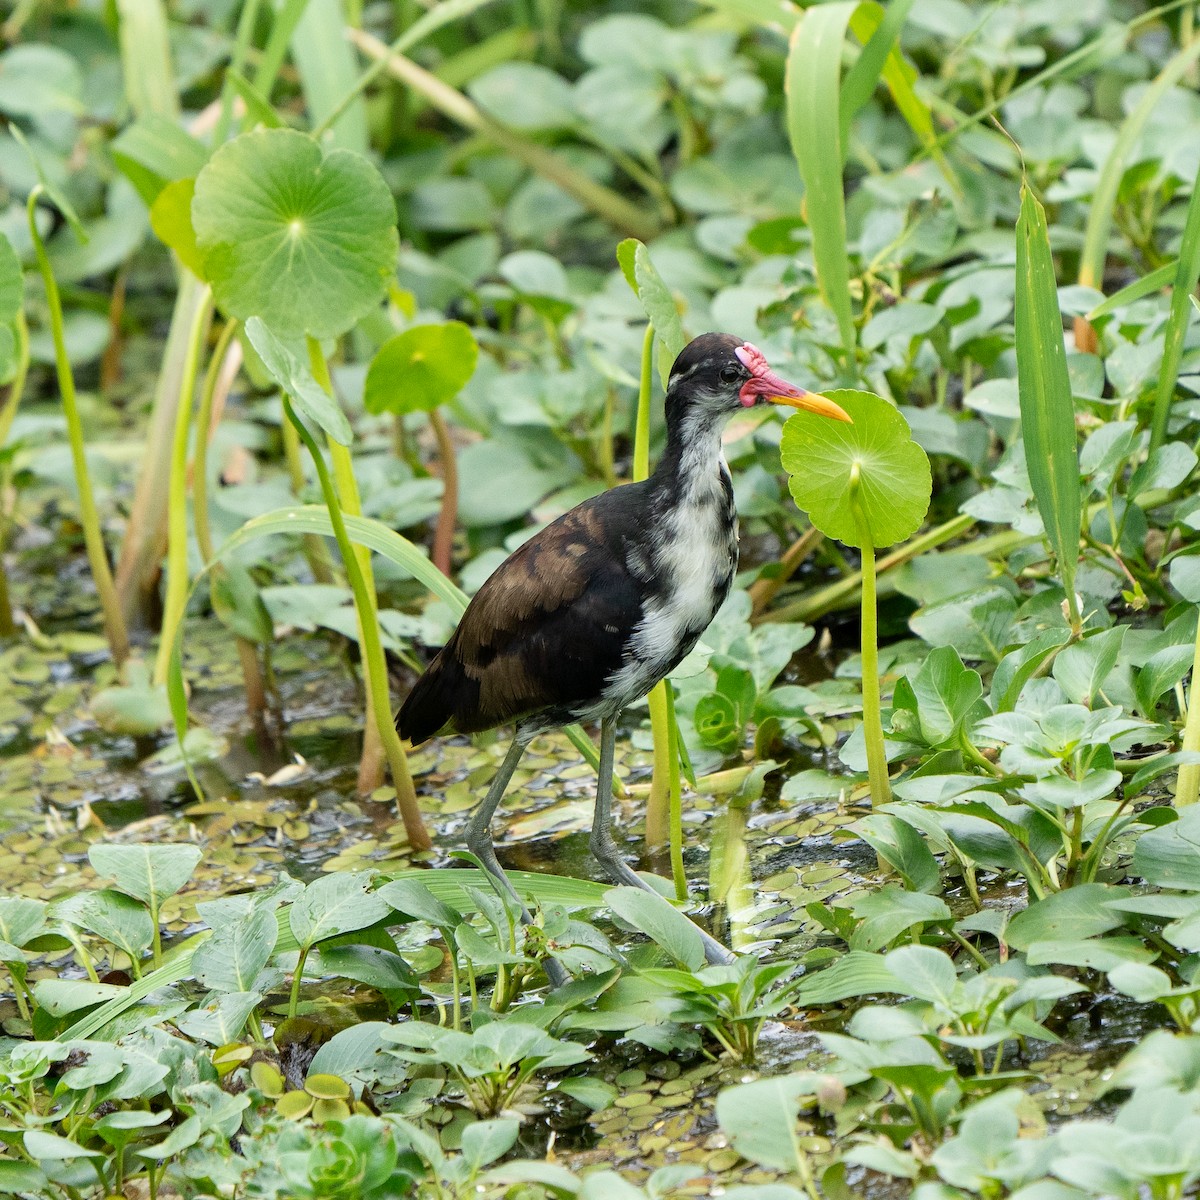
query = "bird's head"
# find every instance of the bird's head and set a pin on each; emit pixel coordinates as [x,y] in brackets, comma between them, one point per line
[717,374]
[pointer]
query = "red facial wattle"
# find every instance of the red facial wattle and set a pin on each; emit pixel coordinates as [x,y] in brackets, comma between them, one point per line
[764,384]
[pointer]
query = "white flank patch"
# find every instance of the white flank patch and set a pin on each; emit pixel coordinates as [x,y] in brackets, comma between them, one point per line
[693,551]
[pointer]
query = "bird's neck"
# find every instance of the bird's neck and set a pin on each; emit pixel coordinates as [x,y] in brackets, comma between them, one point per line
[692,461]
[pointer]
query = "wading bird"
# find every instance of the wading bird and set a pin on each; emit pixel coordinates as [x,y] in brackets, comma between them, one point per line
[590,613]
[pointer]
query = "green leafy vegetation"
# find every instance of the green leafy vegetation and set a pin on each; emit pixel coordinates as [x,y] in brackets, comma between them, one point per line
[310,313]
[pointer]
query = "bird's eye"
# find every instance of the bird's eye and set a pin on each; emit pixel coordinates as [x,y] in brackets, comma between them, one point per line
[730,374]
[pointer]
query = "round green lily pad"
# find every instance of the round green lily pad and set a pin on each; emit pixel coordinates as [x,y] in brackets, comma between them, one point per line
[327,1087]
[894,482]
[419,369]
[303,240]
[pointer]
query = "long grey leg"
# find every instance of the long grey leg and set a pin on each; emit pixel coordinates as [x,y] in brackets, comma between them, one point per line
[605,848]
[479,842]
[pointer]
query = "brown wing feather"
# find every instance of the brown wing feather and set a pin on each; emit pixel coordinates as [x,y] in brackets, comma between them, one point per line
[545,630]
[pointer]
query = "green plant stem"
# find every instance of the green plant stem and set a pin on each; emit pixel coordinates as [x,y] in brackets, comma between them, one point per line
[623,214]
[89,517]
[443,536]
[177,531]
[252,674]
[297,975]
[8,414]
[156,925]
[245,31]
[641,432]
[315,550]
[370,766]
[373,660]
[139,564]
[844,592]
[658,817]
[877,769]
[1187,790]
[675,795]
[200,449]
[16,389]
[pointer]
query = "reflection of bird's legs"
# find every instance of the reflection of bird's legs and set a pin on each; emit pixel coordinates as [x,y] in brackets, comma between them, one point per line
[479,842]
[605,848]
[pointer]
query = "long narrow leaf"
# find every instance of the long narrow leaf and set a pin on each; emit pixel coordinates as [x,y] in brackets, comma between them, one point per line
[882,28]
[1155,281]
[879,29]
[146,58]
[327,72]
[1187,272]
[1104,199]
[1047,408]
[814,125]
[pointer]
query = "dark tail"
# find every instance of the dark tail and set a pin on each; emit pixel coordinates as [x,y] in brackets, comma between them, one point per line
[430,704]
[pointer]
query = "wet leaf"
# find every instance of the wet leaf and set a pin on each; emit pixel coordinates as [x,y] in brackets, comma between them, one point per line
[654,916]
[147,873]
[1076,913]
[759,1119]
[49,1147]
[118,919]
[335,904]
[230,961]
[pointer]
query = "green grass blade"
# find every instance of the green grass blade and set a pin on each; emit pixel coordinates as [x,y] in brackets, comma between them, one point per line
[814,126]
[286,18]
[881,27]
[327,70]
[1187,271]
[430,22]
[146,59]
[878,29]
[1047,407]
[1100,212]
[1163,277]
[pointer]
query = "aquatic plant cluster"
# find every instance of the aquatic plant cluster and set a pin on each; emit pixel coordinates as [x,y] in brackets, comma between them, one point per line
[311,312]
